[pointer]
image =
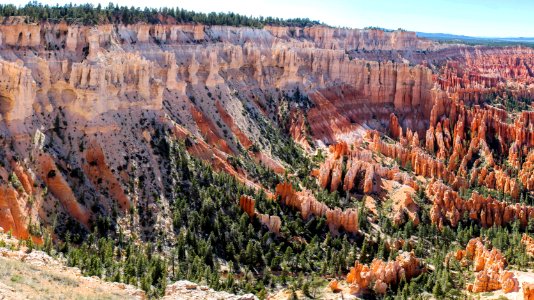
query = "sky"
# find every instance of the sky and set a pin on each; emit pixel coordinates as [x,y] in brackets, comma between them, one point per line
[481,18]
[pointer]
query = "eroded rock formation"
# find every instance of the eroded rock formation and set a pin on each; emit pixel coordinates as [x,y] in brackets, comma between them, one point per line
[273,223]
[101,176]
[366,175]
[61,190]
[489,266]
[363,172]
[379,275]
[528,291]
[448,208]
[307,205]
[528,242]
[248,204]
[12,215]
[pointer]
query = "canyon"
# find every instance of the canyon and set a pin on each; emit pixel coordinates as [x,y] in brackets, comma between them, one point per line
[81,93]
[397,129]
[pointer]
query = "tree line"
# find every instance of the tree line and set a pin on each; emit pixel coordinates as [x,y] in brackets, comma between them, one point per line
[87,14]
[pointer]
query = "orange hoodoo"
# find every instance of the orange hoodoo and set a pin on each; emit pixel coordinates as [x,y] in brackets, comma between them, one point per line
[307,205]
[490,266]
[248,203]
[273,223]
[383,274]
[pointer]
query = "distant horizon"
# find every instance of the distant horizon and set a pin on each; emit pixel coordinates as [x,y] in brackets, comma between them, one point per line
[476,18]
[478,37]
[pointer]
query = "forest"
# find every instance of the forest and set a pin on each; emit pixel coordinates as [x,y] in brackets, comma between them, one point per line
[87,14]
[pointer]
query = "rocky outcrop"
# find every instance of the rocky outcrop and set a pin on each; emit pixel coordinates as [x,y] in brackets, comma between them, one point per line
[21,200]
[61,190]
[273,223]
[448,208]
[405,206]
[526,174]
[334,286]
[25,178]
[248,204]
[307,205]
[379,275]
[102,177]
[12,213]
[302,201]
[489,266]
[189,290]
[347,219]
[363,172]
[299,130]
[17,91]
[528,242]
[528,291]
[395,130]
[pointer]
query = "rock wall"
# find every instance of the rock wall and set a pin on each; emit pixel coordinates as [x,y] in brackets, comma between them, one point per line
[17,89]
[341,38]
[20,201]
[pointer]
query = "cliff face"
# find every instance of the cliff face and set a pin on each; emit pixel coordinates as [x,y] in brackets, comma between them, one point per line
[16,87]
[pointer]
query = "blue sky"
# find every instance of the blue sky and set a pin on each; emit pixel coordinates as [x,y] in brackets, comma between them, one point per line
[489,18]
